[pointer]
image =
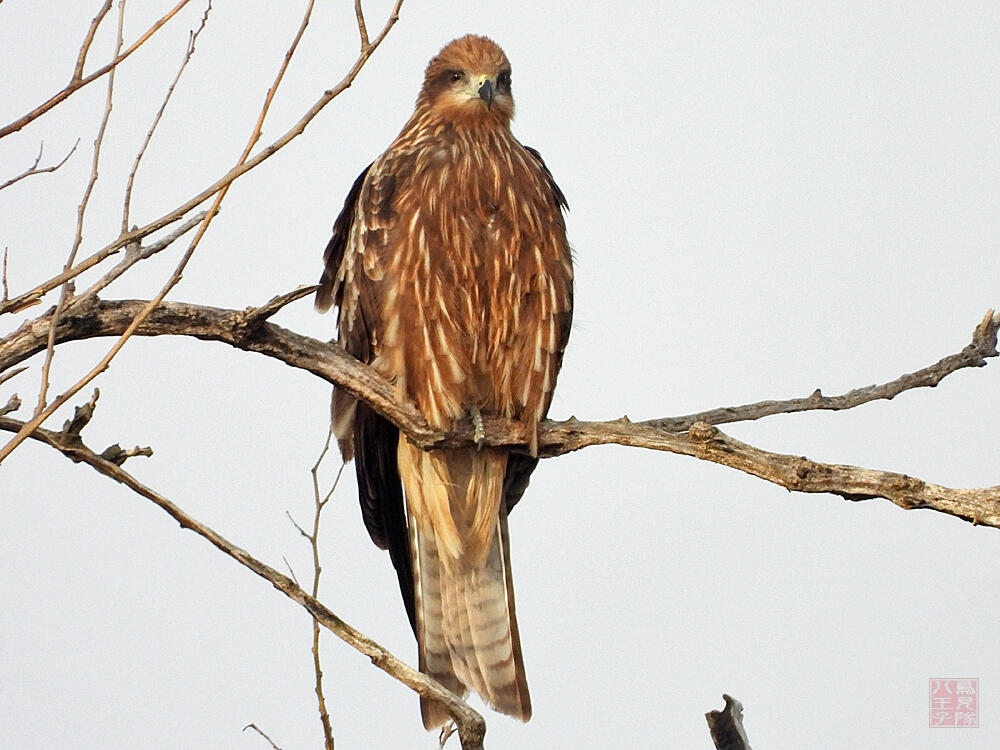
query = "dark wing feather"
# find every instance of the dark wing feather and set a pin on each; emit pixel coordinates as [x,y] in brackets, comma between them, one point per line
[329,291]
[380,492]
[515,480]
[556,191]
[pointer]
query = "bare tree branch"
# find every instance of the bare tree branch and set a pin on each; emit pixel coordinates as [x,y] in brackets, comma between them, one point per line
[78,80]
[189,52]
[471,726]
[68,440]
[359,13]
[88,40]
[983,345]
[261,732]
[320,499]
[233,174]
[134,253]
[35,169]
[41,414]
[11,373]
[4,289]
[81,211]
[245,329]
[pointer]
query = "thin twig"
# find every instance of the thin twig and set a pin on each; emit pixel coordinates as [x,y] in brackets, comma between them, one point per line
[134,253]
[983,345]
[320,501]
[359,12]
[189,52]
[43,413]
[472,728]
[3,279]
[77,82]
[259,731]
[35,169]
[81,210]
[11,373]
[81,58]
[30,298]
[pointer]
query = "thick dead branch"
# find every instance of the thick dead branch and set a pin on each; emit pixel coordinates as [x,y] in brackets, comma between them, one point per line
[471,726]
[726,726]
[245,329]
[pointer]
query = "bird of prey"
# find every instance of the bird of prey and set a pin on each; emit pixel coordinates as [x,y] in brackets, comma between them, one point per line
[452,275]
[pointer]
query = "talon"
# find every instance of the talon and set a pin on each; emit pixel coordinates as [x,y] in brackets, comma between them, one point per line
[478,429]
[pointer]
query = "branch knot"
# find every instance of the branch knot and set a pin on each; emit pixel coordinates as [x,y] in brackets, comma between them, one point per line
[703,432]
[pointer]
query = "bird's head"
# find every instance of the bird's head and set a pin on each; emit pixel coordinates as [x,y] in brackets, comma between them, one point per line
[469,81]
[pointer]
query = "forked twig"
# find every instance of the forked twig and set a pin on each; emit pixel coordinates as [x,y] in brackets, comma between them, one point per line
[81,58]
[134,254]
[81,211]
[320,501]
[44,413]
[78,81]
[35,169]
[189,52]
[29,298]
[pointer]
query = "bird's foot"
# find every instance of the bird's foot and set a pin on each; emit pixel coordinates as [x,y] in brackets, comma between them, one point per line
[478,429]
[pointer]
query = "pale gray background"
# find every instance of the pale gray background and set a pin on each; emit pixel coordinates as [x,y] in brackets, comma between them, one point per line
[766,198]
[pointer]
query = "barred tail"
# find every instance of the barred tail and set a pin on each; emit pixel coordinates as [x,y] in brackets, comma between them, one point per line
[466,622]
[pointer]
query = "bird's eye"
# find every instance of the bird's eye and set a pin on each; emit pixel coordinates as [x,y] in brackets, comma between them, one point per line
[455,76]
[503,80]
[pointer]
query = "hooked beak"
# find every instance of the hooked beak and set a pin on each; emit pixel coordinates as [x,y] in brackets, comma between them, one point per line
[487,92]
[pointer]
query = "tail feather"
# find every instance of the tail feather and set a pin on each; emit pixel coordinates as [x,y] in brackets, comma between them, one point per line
[435,657]
[466,621]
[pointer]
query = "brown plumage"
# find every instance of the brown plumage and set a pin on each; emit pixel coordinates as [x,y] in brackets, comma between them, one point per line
[452,274]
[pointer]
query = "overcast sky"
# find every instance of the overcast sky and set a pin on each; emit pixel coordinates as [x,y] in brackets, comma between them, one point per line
[767,198]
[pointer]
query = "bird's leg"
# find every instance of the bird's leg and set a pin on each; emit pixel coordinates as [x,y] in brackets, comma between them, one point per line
[478,429]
